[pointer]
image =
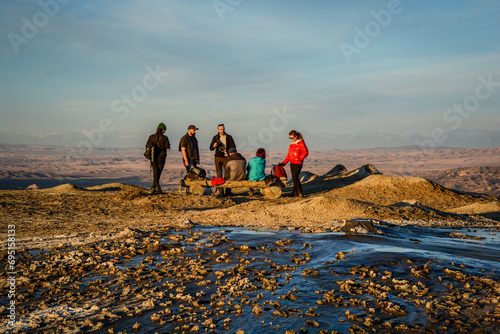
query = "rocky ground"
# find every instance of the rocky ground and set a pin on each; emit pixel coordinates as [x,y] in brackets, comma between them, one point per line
[336,196]
[114,257]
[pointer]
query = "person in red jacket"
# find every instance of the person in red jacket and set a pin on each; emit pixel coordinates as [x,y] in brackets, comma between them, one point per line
[297,152]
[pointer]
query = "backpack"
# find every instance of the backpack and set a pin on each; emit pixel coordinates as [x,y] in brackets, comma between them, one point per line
[196,173]
[215,181]
[279,171]
[273,181]
[149,154]
[150,151]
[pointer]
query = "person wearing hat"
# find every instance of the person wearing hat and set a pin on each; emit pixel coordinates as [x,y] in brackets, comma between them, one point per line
[160,145]
[221,144]
[234,168]
[189,148]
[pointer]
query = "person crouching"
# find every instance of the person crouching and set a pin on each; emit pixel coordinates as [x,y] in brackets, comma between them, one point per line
[234,168]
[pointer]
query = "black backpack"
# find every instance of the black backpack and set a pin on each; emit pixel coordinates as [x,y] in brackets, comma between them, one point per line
[196,173]
[150,151]
[273,181]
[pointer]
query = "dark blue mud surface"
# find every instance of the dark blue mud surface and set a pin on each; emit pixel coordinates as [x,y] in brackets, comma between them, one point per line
[410,279]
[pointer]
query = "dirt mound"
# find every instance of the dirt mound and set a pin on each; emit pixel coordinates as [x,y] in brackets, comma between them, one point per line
[337,170]
[360,173]
[310,211]
[330,208]
[113,187]
[317,211]
[338,177]
[388,190]
[477,208]
[64,188]
[304,177]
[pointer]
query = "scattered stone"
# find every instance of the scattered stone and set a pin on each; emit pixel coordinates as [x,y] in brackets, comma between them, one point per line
[359,227]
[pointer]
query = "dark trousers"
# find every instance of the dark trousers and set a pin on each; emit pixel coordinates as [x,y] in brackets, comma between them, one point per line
[219,170]
[295,169]
[157,166]
[219,165]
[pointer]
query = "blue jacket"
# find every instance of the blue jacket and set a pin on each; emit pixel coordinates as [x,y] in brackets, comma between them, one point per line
[255,168]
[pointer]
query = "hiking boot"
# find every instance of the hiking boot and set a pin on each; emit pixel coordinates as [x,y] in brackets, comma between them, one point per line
[159,191]
[153,190]
[300,195]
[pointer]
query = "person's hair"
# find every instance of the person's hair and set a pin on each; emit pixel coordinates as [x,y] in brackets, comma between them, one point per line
[220,125]
[158,135]
[261,153]
[297,134]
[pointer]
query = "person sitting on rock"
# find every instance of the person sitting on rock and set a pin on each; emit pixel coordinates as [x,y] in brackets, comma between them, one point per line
[234,168]
[257,165]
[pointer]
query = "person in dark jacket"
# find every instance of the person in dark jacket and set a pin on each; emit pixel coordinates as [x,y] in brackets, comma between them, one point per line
[189,148]
[221,144]
[160,145]
[297,152]
[234,168]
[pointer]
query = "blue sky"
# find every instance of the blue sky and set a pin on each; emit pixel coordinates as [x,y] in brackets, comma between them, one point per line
[242,63]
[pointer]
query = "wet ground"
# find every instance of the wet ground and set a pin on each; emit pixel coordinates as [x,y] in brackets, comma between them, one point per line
[240,280]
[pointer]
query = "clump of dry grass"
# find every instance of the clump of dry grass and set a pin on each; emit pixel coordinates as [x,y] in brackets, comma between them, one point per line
[132,193]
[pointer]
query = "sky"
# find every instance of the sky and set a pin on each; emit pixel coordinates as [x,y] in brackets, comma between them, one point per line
[105,73]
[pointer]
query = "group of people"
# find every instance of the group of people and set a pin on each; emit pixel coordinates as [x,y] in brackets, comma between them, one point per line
[229,163]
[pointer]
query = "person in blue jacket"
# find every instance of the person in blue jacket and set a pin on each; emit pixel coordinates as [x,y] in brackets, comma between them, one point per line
[256,166]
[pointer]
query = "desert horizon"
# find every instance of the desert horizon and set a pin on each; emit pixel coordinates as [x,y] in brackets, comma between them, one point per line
[472,170]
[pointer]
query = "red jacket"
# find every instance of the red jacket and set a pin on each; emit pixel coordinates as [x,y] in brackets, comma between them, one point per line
[297,152]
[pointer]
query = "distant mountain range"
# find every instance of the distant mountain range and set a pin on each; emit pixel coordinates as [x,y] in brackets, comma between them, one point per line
[319,141]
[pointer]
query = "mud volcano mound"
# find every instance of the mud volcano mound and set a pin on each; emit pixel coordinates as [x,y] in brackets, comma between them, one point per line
[64,188]
[363,193]
[387,190]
